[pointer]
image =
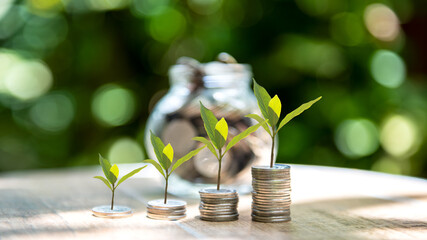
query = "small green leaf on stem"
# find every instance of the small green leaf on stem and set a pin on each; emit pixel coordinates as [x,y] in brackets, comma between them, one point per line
[263,98]
[114,174]
[158,147]
[105,181]
[106,165]
[168,152]
[222,127]
[210,122]
[297,112]
[130,174]
[276,105]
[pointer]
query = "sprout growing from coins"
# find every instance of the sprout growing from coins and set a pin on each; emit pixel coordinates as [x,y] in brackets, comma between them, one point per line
[164,156]
[271,109]
[218,132]
[112,174]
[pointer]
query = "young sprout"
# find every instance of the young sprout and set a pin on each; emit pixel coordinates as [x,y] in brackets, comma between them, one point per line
[165,158]
[217,132]
[112,174]
[270,109]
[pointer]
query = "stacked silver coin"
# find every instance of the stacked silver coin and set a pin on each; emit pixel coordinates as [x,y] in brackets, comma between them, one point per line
[172,210]
[271,195]
[218,205]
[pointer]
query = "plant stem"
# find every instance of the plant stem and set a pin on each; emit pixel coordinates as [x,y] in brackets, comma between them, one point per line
[272,147]
[112,198]
[166,189]
[219,170]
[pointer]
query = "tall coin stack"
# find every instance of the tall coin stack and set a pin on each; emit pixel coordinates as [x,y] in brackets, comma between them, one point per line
[172,210]
[271,195]
[218,205]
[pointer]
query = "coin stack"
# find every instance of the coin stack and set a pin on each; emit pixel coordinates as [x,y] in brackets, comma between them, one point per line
[271,195]
[218,205]
[172,210]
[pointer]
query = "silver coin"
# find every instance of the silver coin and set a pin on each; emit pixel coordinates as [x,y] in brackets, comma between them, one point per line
[168,218]
[162,210]
[271,220]
[219,199]
[220,218]
[276,167]
[117,212]
[215,192]
[270,213]
[212,214]
[267,196]
[171,204]
[218,205]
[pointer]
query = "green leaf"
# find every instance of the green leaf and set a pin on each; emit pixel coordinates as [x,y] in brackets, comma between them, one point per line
[222,127]
[114,174]
[272,117]
[207,143]
[130,174]
[297,112]
[105,181]
[158,147]
[186,158]
[168,152]
[156,165]
[210,122]
[242,135]
[275,105]
[263,98]
[106,165]
[259,119]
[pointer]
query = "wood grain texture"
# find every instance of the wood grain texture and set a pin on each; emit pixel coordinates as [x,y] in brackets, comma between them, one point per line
[328,203]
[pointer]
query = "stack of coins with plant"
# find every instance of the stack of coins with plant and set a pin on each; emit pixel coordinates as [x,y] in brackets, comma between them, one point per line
[164,209]
[219,205]
[111,176]
[271,185]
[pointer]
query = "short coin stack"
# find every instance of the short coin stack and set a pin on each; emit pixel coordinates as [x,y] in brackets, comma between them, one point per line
[218,205]
[172,210]
[271,195]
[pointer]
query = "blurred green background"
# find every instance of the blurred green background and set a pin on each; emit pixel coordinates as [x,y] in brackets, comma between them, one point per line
[81,77]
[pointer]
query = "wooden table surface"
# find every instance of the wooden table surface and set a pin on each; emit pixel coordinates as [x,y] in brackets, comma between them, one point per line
[328,203]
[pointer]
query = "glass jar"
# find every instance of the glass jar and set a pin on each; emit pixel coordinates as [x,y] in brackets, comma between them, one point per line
[225,89]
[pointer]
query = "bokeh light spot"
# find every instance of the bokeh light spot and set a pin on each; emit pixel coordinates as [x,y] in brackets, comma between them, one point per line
[388,68]
[113,105]
[347,29]
[45,5]
[387,165]
[167,25]
[399,136]
[382,22]
[4,7]
[53,112]
[125,150]
[28,79]
[357,138]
